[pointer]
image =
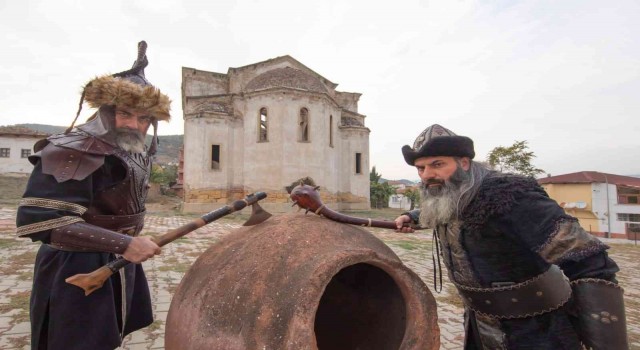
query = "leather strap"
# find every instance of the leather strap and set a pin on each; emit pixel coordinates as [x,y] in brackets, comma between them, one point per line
[541,294]
[599,307]
[128,224]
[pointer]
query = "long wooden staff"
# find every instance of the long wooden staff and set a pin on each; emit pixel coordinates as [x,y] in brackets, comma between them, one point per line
[307,197]
[94,280]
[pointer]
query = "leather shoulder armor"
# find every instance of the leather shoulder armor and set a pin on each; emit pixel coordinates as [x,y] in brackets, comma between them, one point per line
[73,156]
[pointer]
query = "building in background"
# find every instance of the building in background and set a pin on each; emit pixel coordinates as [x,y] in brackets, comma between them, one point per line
[16,144]
[264,126]
[399,200]
[606,205]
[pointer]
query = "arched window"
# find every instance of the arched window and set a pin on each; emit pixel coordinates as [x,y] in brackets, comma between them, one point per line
[263,126]
[303,125]
[330,130]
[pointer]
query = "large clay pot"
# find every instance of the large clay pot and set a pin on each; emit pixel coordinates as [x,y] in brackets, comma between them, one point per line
[301,282]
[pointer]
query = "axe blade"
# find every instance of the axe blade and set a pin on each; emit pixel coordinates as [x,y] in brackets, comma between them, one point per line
[258,215]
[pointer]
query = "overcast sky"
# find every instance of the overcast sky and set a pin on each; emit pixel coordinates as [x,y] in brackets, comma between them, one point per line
[562,75]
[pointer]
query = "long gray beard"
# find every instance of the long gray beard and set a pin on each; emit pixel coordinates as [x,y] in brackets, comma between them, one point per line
[440,204]
[130,140]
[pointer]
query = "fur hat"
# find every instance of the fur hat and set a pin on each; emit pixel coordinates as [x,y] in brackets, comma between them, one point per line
[437,140]
[129,88]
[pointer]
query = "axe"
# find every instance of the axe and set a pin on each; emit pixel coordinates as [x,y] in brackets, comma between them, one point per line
[307,197]
[94,280]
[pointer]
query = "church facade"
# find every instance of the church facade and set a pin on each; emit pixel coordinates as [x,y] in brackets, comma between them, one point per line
[265,126]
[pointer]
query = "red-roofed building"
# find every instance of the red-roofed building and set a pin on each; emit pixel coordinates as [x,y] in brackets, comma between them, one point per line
[16,144]
[607,205]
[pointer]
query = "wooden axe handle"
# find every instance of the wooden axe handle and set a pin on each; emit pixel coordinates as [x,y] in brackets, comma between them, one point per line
[94,280]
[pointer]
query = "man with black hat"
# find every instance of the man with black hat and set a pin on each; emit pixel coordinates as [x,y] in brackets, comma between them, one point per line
[529,276]
[85,201]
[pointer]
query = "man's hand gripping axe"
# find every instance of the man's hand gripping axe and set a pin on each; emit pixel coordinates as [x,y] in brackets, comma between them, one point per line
[94,280]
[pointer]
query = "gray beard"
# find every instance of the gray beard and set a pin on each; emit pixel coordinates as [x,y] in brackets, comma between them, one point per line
[130,140]
[440,204]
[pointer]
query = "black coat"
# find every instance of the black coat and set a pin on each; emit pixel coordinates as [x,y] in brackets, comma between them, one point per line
[505,235]
[62,317]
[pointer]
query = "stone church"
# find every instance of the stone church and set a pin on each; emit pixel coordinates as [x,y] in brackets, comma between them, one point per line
[265,126]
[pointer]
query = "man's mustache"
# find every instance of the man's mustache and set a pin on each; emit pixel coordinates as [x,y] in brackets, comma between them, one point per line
[433,182]
[128,131]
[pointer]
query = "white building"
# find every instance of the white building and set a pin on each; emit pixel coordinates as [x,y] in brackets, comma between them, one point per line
[263,126]
[16,144]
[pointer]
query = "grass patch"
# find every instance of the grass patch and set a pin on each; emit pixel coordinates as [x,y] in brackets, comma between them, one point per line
[12,188]
[452,297]
[404,245]
[7,243]
[180,268]
[19,301]
[409,244]
[25,276]
[26,258]
[18,262]
[155,326]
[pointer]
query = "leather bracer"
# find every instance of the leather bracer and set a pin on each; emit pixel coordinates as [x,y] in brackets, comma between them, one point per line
[601,322]
[83,237]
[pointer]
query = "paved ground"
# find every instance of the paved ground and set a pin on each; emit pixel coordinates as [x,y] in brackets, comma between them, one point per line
[165,272]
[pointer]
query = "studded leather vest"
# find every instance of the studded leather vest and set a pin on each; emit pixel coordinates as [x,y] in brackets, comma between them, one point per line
[127,196]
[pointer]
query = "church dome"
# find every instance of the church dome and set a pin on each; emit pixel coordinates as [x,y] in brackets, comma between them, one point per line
[286,77]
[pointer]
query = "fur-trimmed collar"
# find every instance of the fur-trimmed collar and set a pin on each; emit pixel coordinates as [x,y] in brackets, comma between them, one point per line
[108,90]
[497,195]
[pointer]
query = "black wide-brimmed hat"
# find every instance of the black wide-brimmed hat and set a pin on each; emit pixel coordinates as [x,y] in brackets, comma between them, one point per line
[435,141]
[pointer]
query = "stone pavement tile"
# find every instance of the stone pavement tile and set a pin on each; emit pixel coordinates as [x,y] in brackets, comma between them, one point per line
[136,337]
[5,323]
[161,307]
[137,346]
[161,316]
[20,328]
[158,343]
[5,343]
[12,312]
[418,258]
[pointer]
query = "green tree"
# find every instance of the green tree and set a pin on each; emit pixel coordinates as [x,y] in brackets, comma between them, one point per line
[374,176]
[514,159]
[163,174]
[379,192]
[413,195]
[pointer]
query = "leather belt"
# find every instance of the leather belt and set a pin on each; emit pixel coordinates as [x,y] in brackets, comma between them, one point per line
[538,295]
[128,224]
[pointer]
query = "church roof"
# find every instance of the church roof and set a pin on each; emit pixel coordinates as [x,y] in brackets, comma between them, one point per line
[286,77]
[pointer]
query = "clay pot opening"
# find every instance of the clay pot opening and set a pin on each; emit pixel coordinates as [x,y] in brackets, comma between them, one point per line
[362,308]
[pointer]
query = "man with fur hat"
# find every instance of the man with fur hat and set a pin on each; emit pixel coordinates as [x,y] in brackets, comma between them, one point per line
[529,276]
[85,201]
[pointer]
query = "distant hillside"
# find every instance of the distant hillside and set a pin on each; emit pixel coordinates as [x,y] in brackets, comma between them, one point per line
[49,129]
[403,181]
[168,148]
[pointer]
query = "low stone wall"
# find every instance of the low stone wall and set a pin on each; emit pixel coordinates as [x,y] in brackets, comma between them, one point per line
[204,200]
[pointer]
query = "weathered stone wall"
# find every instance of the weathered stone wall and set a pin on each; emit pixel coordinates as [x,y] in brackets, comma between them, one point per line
[201,83]
[232,121]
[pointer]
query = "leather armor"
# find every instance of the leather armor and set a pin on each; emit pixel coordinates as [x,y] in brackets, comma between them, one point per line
[117,211]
